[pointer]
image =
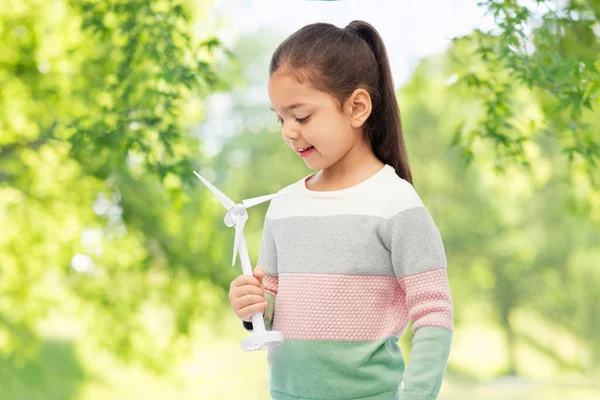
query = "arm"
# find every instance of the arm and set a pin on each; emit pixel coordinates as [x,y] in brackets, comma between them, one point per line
[419,263]
[267,258]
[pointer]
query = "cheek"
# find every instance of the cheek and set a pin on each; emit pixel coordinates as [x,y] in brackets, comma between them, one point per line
[326,132]
[339,135]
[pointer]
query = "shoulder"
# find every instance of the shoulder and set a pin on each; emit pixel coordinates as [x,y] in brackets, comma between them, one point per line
[396,195]
[406,215]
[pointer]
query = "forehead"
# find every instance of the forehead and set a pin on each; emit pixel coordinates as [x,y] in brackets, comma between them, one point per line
[285,90]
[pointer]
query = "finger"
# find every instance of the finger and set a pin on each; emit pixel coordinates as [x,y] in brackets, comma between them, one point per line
[246,280]
[259,273]
[255,290]
[251,295]
[253,309]
[240,292]
[248,301]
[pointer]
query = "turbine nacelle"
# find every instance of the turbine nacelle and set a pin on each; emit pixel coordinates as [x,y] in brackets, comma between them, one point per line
[236,211]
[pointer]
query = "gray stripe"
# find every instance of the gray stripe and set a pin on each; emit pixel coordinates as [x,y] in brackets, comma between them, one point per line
[267,254]
[415,242]
[334,244]
[354,244]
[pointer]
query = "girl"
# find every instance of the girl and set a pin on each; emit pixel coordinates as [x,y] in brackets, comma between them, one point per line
[352,255]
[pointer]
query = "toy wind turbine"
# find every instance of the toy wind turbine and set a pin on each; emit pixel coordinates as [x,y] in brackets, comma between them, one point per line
[237,216]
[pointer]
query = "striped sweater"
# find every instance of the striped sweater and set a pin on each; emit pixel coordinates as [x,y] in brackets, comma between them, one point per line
[345,271]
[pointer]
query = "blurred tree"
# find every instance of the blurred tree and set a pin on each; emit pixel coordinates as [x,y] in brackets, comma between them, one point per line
[517,244]
[95,209]
[533,85]
[552,49]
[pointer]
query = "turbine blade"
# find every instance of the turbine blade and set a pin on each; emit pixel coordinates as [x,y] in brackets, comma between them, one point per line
[239,230]
[226,201]
[261,199]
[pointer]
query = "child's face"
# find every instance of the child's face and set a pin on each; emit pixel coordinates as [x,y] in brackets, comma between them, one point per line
[309,117]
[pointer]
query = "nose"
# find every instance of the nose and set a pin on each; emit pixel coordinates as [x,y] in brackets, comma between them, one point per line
[290,132]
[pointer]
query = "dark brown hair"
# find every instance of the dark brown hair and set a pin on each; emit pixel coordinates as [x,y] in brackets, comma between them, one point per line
[338,61]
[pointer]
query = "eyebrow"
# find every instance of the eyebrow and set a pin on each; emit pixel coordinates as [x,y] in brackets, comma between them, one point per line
[292,106]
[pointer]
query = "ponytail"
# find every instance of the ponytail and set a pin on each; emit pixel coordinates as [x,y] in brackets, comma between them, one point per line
[385,128]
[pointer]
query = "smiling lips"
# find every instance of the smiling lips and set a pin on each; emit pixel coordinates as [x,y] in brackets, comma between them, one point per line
[304,151]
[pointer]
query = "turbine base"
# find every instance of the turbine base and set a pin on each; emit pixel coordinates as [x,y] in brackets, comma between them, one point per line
[262,340]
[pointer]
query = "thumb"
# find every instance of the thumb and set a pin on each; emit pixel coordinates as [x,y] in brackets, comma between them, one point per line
[259,272]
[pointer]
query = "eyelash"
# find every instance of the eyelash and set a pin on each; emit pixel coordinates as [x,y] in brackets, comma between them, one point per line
[300,120]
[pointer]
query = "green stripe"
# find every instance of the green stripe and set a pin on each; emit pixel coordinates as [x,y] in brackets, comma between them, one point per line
[391,395]
[428,359]
[415,396]
[300,369]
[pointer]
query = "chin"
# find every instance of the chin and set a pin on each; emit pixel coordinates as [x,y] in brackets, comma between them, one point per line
[314,164]
[311,165]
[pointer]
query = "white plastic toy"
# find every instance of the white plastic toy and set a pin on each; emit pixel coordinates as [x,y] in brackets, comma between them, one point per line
[237,216]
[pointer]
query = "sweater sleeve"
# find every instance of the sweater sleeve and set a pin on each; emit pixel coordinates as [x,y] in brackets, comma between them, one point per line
[419,263]
[267,258]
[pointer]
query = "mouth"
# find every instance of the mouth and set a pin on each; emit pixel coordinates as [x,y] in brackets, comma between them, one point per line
[304,151]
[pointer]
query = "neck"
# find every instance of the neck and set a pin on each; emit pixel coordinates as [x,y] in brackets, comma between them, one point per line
[355,166]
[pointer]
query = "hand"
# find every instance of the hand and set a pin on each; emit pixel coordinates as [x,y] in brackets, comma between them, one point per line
[247,294]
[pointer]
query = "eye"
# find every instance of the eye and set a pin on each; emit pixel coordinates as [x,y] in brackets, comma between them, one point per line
[300,120]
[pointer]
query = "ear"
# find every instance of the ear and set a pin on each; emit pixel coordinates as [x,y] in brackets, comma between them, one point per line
[358,107]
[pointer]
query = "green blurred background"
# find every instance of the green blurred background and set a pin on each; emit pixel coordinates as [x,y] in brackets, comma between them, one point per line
[114,259]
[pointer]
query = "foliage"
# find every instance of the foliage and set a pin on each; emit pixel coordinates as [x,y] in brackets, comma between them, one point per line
[95,169]
[553,52]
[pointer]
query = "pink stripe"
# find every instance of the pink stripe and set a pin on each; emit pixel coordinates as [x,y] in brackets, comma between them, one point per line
[428,299]
[313,306]
[271,283]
